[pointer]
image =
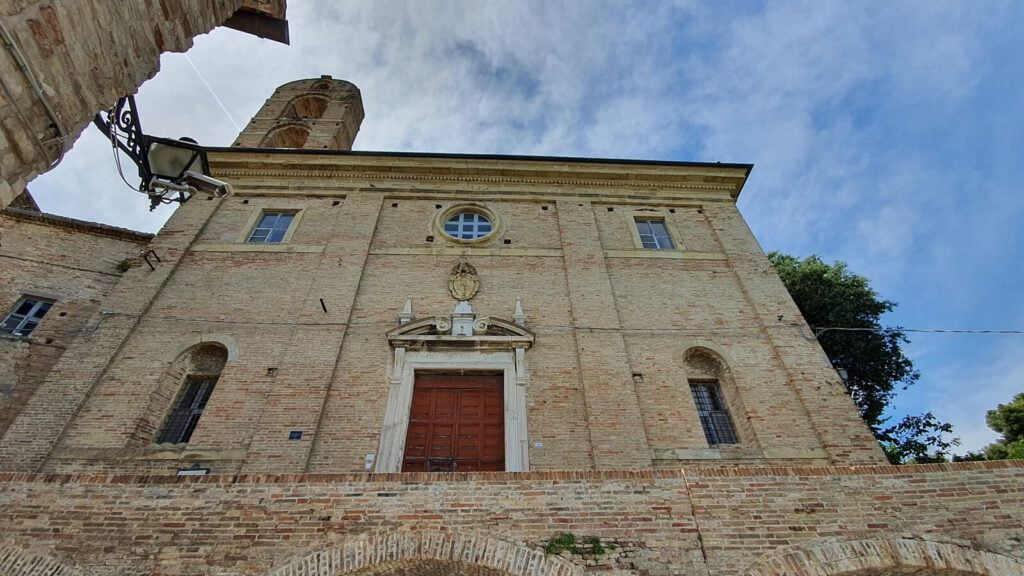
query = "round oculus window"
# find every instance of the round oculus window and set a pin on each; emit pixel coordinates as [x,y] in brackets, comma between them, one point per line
[468,226]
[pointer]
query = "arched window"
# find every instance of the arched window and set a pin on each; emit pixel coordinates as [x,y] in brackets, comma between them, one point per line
[308,106]
[197,370]
[286,137]
[705,373]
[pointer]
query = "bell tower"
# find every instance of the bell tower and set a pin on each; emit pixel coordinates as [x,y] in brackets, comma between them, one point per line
[315,114]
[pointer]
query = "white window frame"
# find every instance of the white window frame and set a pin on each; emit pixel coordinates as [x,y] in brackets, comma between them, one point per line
[633,216]
[25,318]
[255,222]
[443,216]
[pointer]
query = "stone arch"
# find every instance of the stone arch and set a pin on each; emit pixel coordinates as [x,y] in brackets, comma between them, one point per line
[311,106]
[703,362]
[225,340]
[885,557]
[426,552]
[288,136]
[712,348]
[22,560]
[208,357]
[323,83]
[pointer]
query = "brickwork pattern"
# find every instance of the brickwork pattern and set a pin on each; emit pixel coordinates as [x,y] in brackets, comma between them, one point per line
[72,262]
[316,114]
[308,389]
[929,520]
[48,414]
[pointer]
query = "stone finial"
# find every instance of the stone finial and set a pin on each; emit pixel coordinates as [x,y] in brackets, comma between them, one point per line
[462,319]
[519,317]
[406,315]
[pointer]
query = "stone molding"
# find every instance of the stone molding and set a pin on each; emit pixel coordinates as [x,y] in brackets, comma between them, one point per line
[467,251]
[306,174]
[753,471]
[837,557]
[242,247]
[643,177]
[510,362]
[224,340]
[360,555]
[667,254]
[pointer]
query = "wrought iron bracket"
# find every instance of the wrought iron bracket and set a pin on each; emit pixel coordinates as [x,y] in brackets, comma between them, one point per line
[122,126]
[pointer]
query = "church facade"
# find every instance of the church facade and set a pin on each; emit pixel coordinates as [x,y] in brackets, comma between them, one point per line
[381,363]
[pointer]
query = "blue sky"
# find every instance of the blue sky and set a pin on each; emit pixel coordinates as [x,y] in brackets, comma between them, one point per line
[888,135]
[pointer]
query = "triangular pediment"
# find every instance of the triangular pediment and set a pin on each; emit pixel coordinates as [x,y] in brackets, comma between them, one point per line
[487,332]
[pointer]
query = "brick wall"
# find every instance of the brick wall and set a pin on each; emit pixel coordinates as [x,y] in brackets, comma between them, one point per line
[75,264]
[608,384]
[932,519]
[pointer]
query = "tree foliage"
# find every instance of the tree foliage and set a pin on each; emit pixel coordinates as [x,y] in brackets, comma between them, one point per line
[829,297]
[1008,420]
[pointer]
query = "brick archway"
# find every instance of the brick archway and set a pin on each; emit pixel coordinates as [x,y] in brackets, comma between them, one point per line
[426,553]
[885,557]
[18,560]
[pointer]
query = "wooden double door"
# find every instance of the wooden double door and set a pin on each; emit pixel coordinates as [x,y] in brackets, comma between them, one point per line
[457,423]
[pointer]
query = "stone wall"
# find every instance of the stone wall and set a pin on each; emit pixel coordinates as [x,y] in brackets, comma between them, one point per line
[71,262]
[963,519]
[73,58]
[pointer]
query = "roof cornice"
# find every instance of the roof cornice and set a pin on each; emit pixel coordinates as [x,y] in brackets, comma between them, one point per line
[379,169]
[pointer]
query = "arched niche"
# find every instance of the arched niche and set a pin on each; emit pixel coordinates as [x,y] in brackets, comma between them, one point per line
[203,359]
[884,557]
[290,136]
[705,364]
[426,552]
[307,106]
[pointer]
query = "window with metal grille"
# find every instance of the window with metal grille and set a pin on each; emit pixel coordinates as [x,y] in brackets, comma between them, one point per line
[185,416]
[654,234]
[714,416]
[25,316]
[468,226]
[271,228]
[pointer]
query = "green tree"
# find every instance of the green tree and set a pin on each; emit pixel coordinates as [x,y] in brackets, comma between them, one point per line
[1008,420]
[830,296]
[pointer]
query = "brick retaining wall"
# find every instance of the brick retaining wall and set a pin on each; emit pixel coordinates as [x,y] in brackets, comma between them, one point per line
[718,521]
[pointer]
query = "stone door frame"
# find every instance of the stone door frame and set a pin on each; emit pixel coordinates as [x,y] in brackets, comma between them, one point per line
[396,417]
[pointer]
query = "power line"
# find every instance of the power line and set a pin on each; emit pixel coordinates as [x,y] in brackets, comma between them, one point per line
[820,331]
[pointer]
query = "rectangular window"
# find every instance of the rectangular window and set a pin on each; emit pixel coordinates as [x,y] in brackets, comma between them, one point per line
[25,316]
[183,419]
[714,416]
[654,234]
[271,228]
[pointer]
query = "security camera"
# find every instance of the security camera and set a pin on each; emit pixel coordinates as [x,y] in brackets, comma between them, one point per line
[207,184]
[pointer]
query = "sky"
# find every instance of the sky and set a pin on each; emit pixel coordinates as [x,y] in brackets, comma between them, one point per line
[889,135]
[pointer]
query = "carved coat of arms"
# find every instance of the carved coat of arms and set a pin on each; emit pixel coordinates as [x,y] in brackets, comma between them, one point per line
[463,282]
